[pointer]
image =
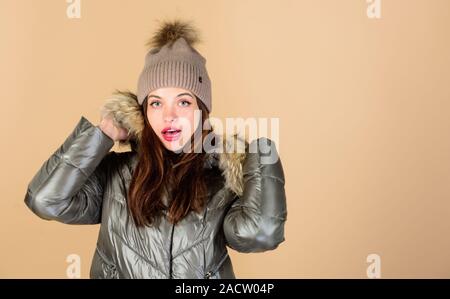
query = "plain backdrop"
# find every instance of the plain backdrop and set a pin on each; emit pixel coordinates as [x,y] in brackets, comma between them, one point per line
[363,106]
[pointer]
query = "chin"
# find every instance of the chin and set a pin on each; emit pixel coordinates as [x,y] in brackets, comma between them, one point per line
[177,145]
[172,146]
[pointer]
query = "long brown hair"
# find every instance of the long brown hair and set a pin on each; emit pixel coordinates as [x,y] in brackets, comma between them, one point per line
[161,172]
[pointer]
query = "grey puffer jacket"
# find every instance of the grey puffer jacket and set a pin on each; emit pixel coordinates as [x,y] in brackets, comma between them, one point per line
[83,182]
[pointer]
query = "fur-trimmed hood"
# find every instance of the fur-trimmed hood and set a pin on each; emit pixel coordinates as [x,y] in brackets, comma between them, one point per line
[126,113]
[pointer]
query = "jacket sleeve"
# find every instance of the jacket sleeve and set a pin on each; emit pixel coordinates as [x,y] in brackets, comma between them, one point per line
[255,221]
[69,186]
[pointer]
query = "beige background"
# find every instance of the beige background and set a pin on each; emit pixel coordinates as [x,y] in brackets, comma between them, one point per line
[363,107]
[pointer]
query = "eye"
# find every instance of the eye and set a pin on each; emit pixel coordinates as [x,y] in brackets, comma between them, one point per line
[155,102]
[185,103]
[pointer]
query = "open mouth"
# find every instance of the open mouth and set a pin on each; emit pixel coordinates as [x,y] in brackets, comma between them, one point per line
[171,134]
[170,131]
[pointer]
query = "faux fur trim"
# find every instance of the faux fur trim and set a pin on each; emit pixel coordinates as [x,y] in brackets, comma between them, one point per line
[126,113]
[231,160]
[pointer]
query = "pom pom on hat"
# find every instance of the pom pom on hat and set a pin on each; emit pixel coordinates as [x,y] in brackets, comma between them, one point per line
[170,31]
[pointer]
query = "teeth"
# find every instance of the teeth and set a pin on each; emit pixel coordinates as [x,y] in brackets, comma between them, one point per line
[171,131]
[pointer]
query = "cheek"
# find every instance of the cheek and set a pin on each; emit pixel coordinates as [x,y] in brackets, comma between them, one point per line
[194,124]
[186,120]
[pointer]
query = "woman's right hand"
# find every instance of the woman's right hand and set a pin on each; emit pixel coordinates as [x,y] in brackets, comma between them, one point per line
[115,133]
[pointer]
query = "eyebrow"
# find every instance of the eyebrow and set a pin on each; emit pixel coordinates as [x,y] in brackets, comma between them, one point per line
[181,94]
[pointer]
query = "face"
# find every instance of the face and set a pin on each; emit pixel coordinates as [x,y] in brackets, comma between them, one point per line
[170,113]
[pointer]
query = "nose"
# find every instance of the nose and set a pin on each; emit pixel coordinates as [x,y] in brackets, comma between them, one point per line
[169,114]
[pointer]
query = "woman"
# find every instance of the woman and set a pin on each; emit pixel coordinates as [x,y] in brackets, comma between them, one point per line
[166,208]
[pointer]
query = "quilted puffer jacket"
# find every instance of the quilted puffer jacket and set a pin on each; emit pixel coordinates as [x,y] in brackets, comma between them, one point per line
[83,182]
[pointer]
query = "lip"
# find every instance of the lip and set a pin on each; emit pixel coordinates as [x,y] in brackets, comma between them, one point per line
[169,128]
[171,136]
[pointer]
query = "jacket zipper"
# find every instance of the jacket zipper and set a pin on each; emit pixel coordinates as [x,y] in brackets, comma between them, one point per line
[217,267]
[170,256]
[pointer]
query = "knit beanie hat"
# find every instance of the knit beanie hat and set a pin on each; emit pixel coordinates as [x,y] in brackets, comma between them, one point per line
[173,62]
